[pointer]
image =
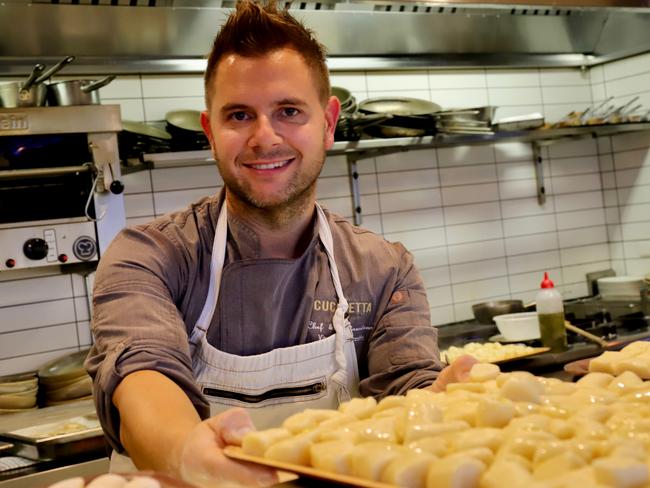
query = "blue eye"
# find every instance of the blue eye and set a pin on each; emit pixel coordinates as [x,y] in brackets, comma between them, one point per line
[239,116]
[290,111]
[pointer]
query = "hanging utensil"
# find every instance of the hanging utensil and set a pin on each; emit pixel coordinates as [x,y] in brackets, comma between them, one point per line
[602,104]
[54,69]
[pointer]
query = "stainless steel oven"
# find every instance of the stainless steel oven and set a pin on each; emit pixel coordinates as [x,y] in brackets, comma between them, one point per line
[61,197]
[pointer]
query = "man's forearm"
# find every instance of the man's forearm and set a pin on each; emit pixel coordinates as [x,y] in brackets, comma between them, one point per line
[155,418]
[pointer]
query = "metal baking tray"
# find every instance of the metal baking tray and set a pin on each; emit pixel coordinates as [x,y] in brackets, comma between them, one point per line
[6,448]
[519,122]
[55,433]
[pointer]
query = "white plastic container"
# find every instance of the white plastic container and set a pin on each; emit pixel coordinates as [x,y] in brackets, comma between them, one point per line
[515,327]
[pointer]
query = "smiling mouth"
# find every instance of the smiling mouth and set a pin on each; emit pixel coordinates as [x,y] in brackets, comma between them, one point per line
[273,165]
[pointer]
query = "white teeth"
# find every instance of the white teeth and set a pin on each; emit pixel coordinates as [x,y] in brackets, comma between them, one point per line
[277,164]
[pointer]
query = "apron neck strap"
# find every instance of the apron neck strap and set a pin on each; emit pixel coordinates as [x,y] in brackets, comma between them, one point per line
[325,234]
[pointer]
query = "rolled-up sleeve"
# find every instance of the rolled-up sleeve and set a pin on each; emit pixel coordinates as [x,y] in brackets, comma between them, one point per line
[403,347]
[136,323]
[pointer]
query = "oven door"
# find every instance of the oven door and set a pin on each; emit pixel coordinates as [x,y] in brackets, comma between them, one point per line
[46,196]
[47,216]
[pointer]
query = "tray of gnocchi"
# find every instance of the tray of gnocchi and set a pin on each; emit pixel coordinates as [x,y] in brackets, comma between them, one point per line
[492,352]
[235,452]
[497,429]
[634,357]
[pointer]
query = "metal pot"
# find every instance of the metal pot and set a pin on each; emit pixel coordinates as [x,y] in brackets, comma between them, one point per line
[76,92]
[24,94]
[484,312]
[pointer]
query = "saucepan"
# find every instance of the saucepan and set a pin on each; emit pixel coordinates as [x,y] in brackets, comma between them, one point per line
[24,94]
[32,92]
[76,92]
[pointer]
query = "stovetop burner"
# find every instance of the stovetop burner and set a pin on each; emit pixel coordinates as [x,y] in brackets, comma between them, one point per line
[609,320]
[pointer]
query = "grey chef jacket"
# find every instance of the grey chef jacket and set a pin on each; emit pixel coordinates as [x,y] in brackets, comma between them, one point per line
[152,282]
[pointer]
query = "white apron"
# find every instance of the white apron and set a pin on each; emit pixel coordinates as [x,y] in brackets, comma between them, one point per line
[278,383]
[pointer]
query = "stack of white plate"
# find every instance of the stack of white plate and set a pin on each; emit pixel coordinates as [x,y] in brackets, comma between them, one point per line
[65,380]
[18,392]
[620,287]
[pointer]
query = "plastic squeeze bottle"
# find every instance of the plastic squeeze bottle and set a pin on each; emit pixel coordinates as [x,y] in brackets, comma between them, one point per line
[550,311]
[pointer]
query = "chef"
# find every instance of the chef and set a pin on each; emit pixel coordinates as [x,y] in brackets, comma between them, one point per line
[257,302]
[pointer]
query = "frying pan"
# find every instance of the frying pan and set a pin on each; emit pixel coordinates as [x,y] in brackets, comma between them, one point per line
[399,106]
[411,117]
[388,131]
[145,130]
[484,312]
[349,126]
[137,138]
[189,120]
[186,130]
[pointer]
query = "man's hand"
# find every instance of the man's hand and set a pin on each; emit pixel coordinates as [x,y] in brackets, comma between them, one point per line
[456,372]
[204,464]
[162,431]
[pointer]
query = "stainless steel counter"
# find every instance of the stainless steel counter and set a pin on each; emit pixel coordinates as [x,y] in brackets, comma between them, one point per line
[47,477]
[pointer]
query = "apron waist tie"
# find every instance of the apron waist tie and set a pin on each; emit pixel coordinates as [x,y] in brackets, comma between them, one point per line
[343,334]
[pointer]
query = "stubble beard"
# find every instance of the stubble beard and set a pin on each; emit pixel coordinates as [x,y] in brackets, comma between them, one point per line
[278,208]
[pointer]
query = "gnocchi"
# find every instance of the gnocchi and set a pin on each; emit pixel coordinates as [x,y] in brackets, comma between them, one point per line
[500,429]
[489,352]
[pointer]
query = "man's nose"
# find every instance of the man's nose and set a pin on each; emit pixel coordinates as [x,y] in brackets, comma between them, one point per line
[264,133]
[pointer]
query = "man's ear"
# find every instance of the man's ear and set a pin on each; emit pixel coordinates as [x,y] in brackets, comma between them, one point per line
[205,123]
[332,110]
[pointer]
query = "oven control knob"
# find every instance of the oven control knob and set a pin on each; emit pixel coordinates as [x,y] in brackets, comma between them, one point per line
[116,187]
[10,263]
[35,249]
[63,258]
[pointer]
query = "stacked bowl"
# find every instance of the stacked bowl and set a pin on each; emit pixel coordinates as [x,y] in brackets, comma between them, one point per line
[65,380]
[18,392]
[626,288]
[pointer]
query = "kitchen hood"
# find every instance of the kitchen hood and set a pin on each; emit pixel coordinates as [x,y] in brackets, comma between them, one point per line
[148,36]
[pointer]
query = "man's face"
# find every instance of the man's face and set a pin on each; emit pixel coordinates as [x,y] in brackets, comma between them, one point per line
[268,128]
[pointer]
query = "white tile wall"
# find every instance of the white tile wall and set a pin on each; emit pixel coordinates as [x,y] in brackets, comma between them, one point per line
[469,214]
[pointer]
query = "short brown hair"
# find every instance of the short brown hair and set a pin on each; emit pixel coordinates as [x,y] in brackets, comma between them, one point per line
[254,30]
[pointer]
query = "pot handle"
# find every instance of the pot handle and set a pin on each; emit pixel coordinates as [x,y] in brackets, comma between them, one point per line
[32,77]
[54,69]
[97,84]
[361,121]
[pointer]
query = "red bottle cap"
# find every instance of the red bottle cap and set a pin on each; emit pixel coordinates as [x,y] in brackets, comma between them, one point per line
[546,282]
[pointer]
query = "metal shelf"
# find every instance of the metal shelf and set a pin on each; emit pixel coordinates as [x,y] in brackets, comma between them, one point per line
[541,136]
[369,148]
